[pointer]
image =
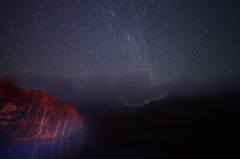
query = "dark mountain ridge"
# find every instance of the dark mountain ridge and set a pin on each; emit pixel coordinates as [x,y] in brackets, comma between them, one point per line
[211,104]
[107,109]
[178,114]
[173,101]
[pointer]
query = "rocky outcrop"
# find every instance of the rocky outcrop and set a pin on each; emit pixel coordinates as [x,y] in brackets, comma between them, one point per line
[8,107]
[10,114]
[3,123]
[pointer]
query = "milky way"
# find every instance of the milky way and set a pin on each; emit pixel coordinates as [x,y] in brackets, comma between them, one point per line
[167,39]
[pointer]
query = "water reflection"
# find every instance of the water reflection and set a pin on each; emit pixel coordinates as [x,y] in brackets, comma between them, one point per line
[47,149]
[120,145]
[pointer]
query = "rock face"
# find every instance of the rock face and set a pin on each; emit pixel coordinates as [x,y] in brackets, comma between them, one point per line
[10,113]
[8,107]
[3,123]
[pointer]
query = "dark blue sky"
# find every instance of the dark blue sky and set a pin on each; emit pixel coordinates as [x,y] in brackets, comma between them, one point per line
[167,40]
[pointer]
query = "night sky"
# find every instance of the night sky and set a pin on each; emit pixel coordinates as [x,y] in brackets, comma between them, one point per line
[148,42]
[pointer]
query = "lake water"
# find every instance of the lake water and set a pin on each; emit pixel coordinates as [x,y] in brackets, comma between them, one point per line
[47,149]
[127,145]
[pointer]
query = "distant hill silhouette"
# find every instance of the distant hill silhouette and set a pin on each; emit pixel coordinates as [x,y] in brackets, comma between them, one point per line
[172,101]
[228,97]
[107,109]
[169,102]
[190,113]
[211,104]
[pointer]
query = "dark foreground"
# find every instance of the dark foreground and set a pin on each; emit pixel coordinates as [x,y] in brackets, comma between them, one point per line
[148,144]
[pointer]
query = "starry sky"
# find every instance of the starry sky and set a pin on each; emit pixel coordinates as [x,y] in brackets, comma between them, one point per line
[164,39]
